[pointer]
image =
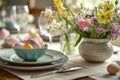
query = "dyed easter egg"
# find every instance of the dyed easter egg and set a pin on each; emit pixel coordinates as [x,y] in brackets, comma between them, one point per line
[35,44]
[28,46]
[40,41]
[26,41]
[11,41]
[35,35]
[19,37]
[113,68]
[4,33]
[19,45]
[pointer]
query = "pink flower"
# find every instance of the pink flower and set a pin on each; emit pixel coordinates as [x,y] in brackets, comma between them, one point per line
[116,26]
[83,24]
[114,32]
[100,30]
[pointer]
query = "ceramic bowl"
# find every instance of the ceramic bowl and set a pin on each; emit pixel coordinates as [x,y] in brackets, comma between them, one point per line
[30,54]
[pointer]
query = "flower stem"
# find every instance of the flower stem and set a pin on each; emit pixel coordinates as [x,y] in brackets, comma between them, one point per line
[68,45]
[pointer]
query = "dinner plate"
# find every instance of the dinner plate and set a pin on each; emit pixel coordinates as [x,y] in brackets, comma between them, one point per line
[54,65]
[49,57]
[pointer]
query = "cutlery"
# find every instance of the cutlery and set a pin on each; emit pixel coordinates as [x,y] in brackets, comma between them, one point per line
[56,71]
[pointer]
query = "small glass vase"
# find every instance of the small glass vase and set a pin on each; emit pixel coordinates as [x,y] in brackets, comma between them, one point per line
[95,50]
[67,44]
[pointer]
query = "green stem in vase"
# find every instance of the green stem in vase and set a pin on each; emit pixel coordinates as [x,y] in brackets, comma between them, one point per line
[68,45]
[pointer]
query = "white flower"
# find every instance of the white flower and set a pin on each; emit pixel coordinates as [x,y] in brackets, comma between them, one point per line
[48,12]
[56,28]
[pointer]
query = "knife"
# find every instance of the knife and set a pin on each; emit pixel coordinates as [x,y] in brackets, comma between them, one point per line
[56,71]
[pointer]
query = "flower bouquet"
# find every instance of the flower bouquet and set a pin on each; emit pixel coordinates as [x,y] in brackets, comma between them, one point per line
[102,23]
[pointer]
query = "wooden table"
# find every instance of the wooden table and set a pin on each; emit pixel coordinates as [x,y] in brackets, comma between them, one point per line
[5,75]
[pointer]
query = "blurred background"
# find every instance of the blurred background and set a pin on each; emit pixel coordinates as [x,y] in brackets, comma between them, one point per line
[21,16]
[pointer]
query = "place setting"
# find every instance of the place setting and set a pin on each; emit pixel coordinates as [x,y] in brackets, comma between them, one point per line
[50,59]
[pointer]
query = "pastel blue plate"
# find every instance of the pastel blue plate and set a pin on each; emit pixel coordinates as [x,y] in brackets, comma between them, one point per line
[50,56]
[38,67]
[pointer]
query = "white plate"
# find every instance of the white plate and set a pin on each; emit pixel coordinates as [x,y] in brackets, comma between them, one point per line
[57,64]
[49,57]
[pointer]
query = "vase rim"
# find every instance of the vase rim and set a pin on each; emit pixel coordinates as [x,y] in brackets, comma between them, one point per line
[96,40]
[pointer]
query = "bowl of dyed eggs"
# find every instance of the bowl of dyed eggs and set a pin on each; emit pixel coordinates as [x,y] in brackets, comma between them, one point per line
[31,50]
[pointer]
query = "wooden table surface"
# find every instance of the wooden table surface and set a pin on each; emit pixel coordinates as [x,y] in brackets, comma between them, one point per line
[5,75]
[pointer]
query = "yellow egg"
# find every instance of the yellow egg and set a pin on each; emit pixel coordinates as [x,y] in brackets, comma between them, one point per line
[113,68]
[35,35]
[28,46]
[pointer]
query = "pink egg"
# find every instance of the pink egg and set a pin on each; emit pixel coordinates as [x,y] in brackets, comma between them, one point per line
[40,41]
[12,41]
[4,33]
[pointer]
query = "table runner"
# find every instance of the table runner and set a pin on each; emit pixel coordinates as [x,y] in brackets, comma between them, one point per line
[88,69]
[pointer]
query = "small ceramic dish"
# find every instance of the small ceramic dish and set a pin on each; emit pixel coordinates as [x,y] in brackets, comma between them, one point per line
[30,54]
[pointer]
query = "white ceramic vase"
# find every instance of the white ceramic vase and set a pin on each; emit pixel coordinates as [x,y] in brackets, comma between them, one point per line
[95,50]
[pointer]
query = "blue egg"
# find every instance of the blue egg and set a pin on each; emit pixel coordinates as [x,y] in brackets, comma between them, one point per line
[34,44]
[18,45]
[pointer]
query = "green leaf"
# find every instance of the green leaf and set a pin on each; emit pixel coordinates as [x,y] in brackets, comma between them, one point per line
[68,22]
[78,30]
[78,40]
[69,10]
